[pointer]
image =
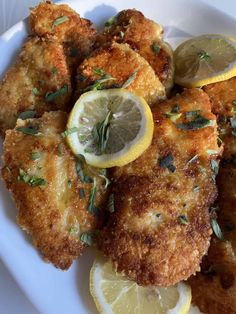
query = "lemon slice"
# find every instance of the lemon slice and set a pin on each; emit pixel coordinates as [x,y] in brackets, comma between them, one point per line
[204,60]
[113,293]
[110,127]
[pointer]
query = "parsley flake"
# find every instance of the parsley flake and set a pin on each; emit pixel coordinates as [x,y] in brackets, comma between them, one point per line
[110,21]
[100,132]
[86,238]
[54,70]
[81,193]
[29,130]
[35,91]
[69,131]
[35,155]
[167,162]
[155,48]
[30,180]
[60,20]
[130,79]
[203,55]
[80,172]
[183,220]
[29,114]
[91,207]
[198,123]
[216,229]
[111,203]
[51,96]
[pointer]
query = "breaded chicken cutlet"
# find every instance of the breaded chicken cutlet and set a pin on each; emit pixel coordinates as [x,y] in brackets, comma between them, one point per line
[41,78]
[215,287]
[39,81]
[145,37]
[76,34]
[160,228]
[117,65]
[52,189]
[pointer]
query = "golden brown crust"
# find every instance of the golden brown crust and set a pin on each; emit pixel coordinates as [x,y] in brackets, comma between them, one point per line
[223,96]
[75,33]
[133,28]
[41,68]
[144,236]
[214,289]
[119,61]
[53,214]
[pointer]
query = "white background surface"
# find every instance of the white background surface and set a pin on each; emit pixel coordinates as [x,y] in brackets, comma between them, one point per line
[12,300]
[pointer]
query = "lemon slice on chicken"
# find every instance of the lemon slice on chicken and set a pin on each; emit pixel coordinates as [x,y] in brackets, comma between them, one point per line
[110,127]
[204,60]
[113,294]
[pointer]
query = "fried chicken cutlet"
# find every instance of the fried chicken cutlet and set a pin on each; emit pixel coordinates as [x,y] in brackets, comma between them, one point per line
[51,188]
[145,37]
[117,65]
[76,34]
[215,287]
[38,81]
[160,228]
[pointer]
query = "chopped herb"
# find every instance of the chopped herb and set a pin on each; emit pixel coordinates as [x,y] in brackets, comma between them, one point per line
[192,114]
[99,84]
[103,174]
[219,141]
[130,79]
[158,215]
[194,158]
[167,162]
[60,150]
[29,114]
[69,131]
[111,203]
[233,125]
[30,180]
[183,219]
[86,238]
[198,123]
[35,91]
[51,96]
[73,52]
[35,155]
[216,229]
[54,70]
[100,132]
[196,188]
[81,193]
[122,34]
[29,130]
[173,116]
[203,55]
[155,48]
[91,207]
[175,109]
[80,77]
[110,21]
[214,209]
[80,172]
[212,152]
[73,230]
[69,183]
[214,168]
[81,157]
[60,20]
[99,71]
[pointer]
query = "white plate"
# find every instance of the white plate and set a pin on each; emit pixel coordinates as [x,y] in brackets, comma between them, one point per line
[49,289]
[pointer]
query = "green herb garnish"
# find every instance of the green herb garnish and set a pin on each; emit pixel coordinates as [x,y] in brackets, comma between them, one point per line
[35,91]
[216,229]
[69,131]
[233,125]
[99,84]
[30,180]
[192,114]
[35,155]
[212,152]
[81,193]
[73,230]
[91,207]
[69,183]
[99,71]
[192,159]
[130,79]
[60,20]
[29,130]
[54,70]
[183,220]
[100,132]
[167,162]
[51,96]
[198,123]
[111,21]
[29,114]
[80,172]
[196,188]
[86,238]
[203,55]
[103,174]
[214,166]
[111,203]
[155,48]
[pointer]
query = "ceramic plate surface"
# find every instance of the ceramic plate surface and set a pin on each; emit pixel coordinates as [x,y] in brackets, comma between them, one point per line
[49,289]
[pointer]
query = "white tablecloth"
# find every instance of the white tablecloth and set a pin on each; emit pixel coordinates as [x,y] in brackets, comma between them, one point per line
[12,299]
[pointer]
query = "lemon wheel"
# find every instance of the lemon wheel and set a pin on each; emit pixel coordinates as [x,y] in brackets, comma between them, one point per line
[110,127]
